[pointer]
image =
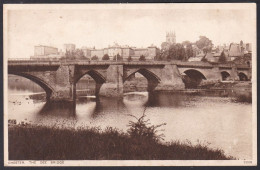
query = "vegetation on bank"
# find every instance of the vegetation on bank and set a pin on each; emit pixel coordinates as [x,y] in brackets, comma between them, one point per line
[141,142]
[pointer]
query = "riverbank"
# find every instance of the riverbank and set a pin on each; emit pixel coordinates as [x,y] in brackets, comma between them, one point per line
[35,142]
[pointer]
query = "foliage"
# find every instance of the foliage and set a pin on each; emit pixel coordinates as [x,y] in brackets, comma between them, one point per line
[117,58]
[204,58]
[129,58]
[105,57]
[177,52]
[94,57]
[204,44]
[222,58]
[70,54]
[244,98]
[143,130]
[142,58]
[188,50]
[158,57]
[25,142]
[77,54]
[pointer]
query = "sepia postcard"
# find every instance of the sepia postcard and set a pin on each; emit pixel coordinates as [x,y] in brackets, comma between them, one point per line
[130,84]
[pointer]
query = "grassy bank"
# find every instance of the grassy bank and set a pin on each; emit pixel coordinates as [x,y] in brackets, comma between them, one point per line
[34,142]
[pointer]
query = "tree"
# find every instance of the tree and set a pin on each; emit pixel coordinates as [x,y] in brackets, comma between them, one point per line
[176,52]
[79,54]
[186,43]
[204,44]
[222,58]
[129,58]
[117,58]
[142,58]
[158,57]
[94,57]
[204,58]
[188,49]
[105,57]
[68,54]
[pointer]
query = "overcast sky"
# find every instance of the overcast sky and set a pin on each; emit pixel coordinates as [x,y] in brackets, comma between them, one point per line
[135,26]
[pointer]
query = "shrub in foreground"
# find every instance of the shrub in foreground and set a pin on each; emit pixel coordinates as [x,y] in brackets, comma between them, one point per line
[34,142]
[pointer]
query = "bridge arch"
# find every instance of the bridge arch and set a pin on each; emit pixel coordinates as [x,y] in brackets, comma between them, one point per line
[94,74]
[192,78]
[225,75]
[152,79]
[242,76]
[99,79]
[44,85]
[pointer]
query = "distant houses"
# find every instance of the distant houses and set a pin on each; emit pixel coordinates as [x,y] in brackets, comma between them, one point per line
[88,52]
[234,52]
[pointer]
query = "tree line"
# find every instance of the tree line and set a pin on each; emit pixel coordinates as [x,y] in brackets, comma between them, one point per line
[183,51]
[79,54]
[179,51]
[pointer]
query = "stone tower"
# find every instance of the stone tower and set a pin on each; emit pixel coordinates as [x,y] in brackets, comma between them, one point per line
[170,37]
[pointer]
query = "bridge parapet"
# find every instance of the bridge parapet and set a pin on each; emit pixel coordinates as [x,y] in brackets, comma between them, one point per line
[195,64]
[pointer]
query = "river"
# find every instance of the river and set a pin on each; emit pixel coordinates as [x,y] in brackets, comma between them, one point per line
[218,122]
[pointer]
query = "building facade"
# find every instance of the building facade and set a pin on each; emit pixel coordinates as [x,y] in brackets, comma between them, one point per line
[42,50]
[86,52]
[123,51]
[170,39]
[97,52]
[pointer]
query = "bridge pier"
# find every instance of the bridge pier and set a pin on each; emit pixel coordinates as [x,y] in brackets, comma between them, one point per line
[113,87]
[234,74]
[64,88]
[170,79]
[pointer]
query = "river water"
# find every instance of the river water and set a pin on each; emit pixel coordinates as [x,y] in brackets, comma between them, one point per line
[218,122]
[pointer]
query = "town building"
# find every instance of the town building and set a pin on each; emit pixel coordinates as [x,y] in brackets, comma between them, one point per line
[170,39]
[86,52]
[235,51]
[97,52]
[41,50]
[124,51]
[127,51]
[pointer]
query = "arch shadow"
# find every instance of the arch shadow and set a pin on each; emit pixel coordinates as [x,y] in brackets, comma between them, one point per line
[243,77]
[45,86]
[192,78]
[153,79]
[225,75]
[99,79]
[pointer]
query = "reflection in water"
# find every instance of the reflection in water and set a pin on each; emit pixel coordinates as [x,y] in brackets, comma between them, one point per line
[217,120]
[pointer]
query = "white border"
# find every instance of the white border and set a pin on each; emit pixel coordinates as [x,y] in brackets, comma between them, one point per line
[247,6]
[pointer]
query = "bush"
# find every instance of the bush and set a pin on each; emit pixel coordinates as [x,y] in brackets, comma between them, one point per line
[117,58]
[142,58]
[129,58]
[105,57]
[25,142]
[143,130]
[94,57]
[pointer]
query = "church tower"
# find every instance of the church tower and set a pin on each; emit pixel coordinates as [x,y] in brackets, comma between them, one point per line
[170,37]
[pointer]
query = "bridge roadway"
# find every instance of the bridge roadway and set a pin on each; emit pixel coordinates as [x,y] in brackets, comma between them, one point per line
[59,77]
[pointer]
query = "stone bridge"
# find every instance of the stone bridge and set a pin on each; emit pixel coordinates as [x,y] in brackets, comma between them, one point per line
[59,78]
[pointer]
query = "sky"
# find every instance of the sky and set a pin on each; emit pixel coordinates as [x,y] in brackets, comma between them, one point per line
[136,25]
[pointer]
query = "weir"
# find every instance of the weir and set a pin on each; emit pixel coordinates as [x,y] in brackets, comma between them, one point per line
[59,78]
